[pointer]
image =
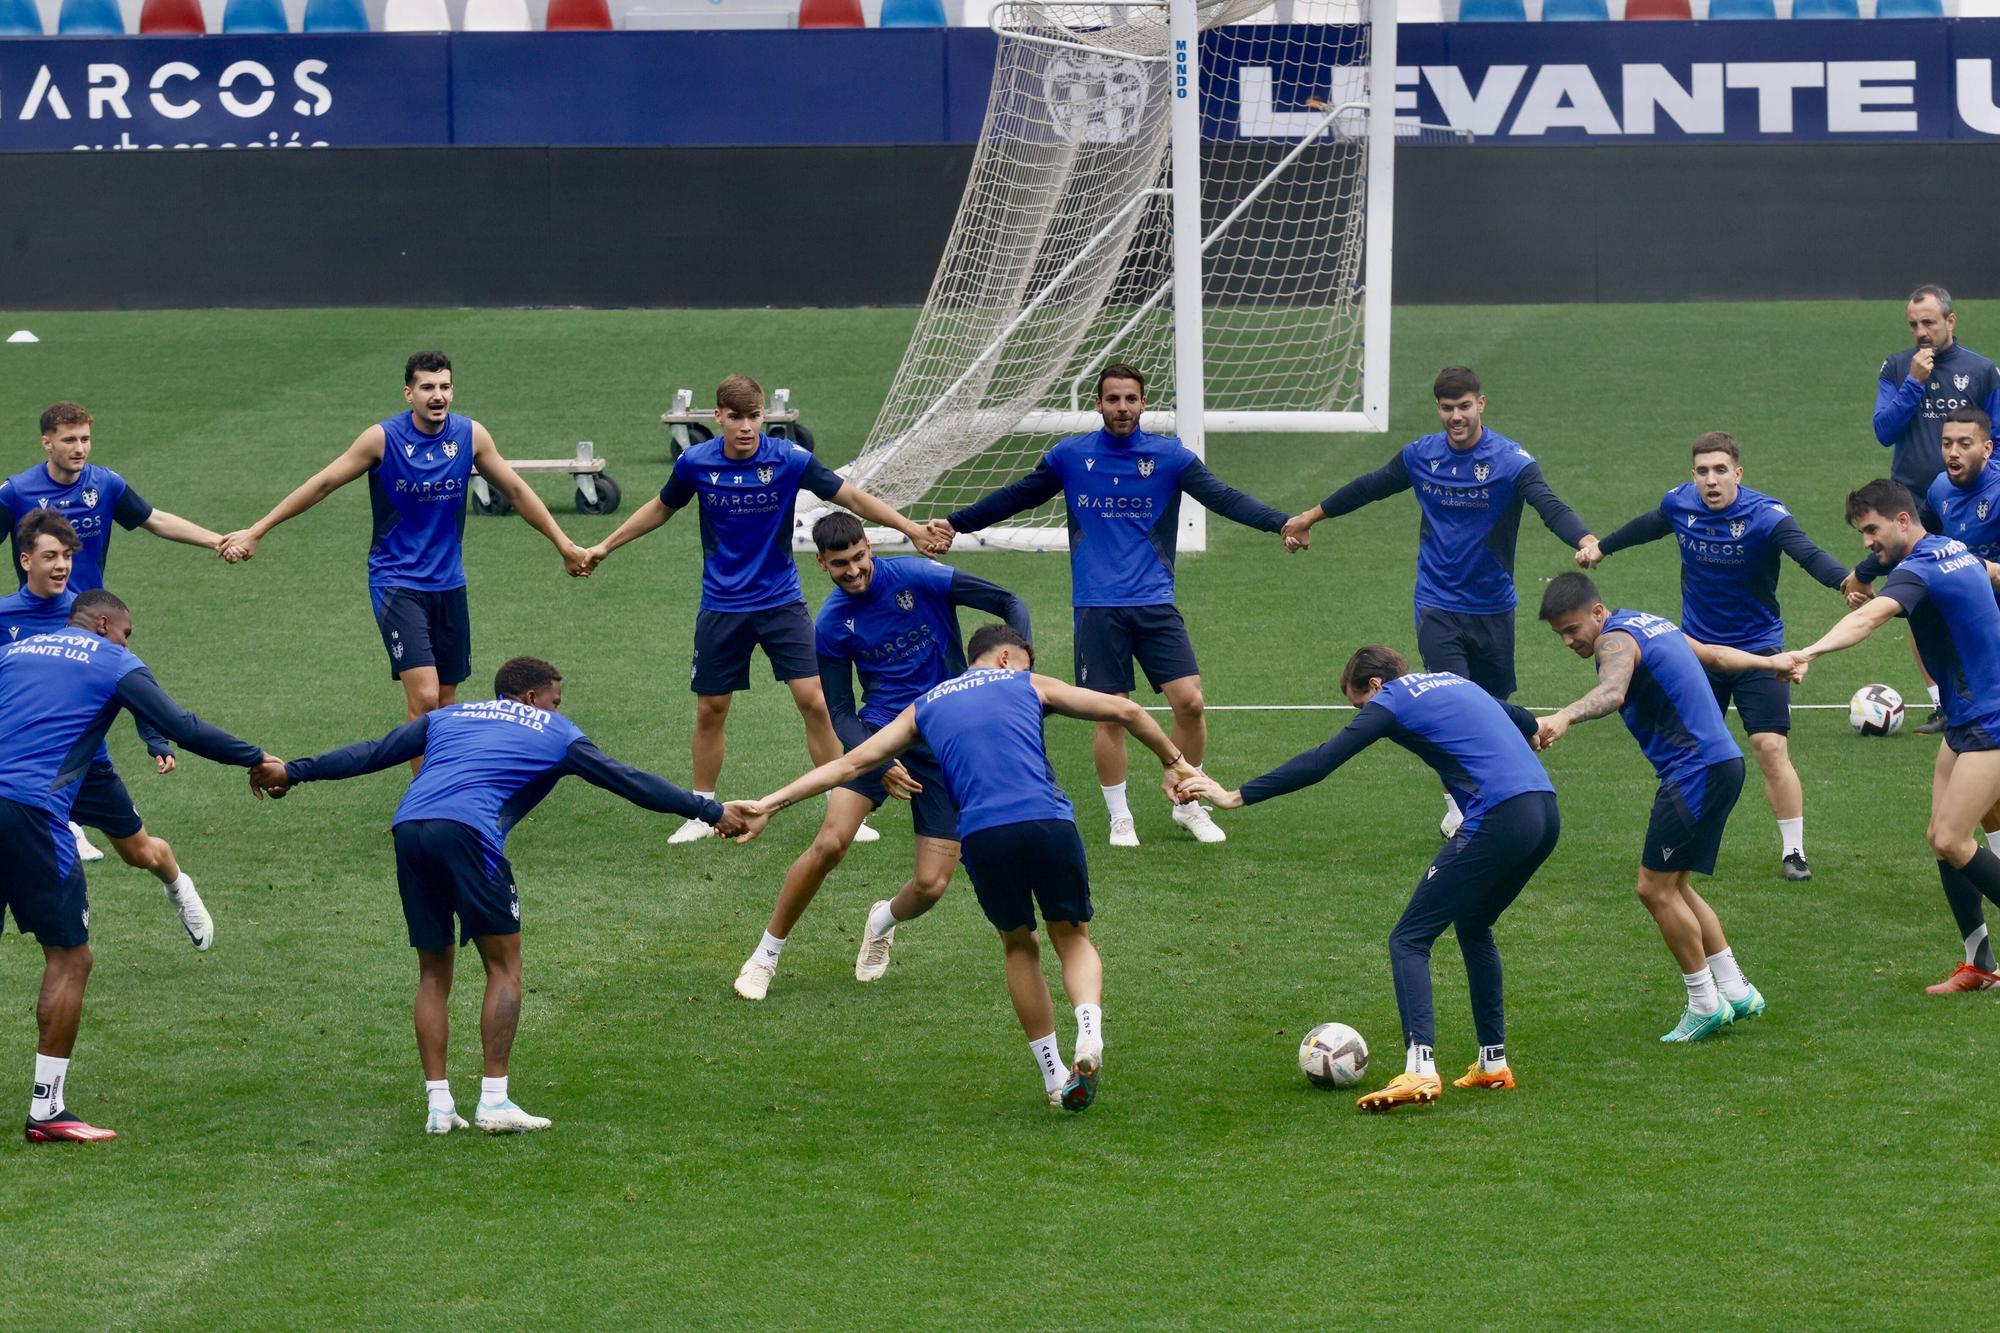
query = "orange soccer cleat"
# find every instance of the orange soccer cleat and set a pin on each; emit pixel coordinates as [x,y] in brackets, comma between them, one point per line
[65,1127]
[1965,977]
[1500,1080]
[1402,1090]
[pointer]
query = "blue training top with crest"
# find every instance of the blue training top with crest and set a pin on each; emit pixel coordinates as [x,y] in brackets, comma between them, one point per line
[746,518]
[97,498]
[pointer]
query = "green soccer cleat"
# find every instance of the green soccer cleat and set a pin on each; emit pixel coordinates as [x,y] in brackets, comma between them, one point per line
[1694,1026]
[1749,1006]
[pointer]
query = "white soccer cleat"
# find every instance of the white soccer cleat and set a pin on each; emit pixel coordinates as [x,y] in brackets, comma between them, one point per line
[506,1118]
[444,1122]
[1123,832]
[692,831]
[753,981]
[1449,825]
[1089,1057]
[195,920]
[84,850]
[867,834]
[873,960]
[1194,818]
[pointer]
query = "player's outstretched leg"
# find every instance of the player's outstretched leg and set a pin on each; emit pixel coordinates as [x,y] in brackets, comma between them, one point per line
[711,714]
[1034,1007]
[58,1014]
[499,1018]
[1742,999]
[85,849]
[143,851]
[1665,894]
[935,860]
[1431,908]
[1968,909]
[1107,753]
[1190,734]
[1782,789]
[431,1015]
[844,812]
[1083,983]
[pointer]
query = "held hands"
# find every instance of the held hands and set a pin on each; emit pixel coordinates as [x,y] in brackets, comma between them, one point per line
[1177,773]
[1297,532]
[937,537]
[165,763]
[743,820]
[236,547]
[268,775]
[1550,730]
[1202,787]
[1790,666]
[577,561]
[1855,591]
[899,784]
[1589,555]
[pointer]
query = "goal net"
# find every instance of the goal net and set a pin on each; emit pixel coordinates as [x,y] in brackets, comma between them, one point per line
[1062,259]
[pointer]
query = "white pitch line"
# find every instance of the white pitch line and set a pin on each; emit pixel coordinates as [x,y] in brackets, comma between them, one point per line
[1348,708]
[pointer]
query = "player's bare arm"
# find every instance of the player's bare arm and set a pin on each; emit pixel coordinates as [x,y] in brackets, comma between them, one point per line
[1853,627]
[1091,706]
[1788,666]
[925,537]
[646,518]
[878,749]
[177,529]
[1617,658]
[486,460]
[354,461]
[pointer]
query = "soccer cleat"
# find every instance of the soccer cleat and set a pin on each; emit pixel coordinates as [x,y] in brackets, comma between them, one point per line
[1194,818]
[506,1118]
[873,960]
[1795,868]
[1499,1080]
[1402,1090]
[1932,724]
[1694,1026]
[1965,977]
[1746,1008]
[1123,832]
[444,1122]
[1081,1090]
[692,831]
[195,920]
[65,1127]
[866,834]
[84,850]
[753,981]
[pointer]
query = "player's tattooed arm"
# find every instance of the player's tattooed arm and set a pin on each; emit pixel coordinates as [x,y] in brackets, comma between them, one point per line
[1617,658]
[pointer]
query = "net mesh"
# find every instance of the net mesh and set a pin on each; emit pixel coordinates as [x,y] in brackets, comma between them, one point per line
[1060,259]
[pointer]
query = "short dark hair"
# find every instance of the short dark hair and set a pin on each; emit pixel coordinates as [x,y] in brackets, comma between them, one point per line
[838,531]
[518,675]
[1568,592]
[1716,442]
[97,602]
[63,414]
[989,637]
[1374,662]
[1887,498]
[739,394]
[1454,382]
[423,363]
[1972,416]
[1935,293]
[46,523]
[1120,370]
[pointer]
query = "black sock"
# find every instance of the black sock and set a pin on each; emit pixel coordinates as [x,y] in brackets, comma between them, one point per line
[1967,911]
[1983,873]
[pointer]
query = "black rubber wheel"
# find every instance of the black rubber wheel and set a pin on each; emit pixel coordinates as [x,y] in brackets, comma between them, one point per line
[608,496]
[697,433]
[494,508]
[803,437]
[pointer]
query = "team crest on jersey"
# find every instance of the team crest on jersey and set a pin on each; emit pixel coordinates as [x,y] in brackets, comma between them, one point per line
[1145,467]
[1481,471]
[764,475]
[1736,526]
[1960,382]
[90,498]
[906,599]
[450,449]
[1984,506]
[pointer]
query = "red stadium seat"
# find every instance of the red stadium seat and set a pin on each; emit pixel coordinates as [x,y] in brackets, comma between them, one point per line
[579,16]
[172,18]
[831,14]
[1658,9]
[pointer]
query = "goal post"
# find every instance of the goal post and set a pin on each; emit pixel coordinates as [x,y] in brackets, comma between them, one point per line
[1201,188]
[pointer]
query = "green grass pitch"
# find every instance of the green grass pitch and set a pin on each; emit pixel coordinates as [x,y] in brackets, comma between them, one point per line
[844,1155]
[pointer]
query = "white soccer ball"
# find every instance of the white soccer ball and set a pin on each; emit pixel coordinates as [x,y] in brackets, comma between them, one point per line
[1333,1055]
[1875,710]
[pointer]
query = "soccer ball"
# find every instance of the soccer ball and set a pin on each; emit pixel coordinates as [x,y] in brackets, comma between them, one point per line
[1333,1056]
[1875,710]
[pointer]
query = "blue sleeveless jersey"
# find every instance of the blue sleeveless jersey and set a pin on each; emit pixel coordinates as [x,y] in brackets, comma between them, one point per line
[57,694]
[1670,707]
[485,765]
[1467,738]
[901,635]
[98,498]
[1944,591]
[985,727]
[418,494]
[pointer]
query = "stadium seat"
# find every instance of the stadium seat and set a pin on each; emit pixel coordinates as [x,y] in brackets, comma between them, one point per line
[1742,9]
[579,16]
[831,14]
[416,16]
[496,16]
[1574,11]
[1909,9]
[255,16]
[172,18]
[20,18]
[913,14]
[335,16]
[90,18]
[1658,9]
[1826,9]
[1492,11]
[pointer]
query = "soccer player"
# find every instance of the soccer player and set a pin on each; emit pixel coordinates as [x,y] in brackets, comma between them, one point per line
[1480,748]
[1730,538]
[1652,674]
[895,623]
[1016,828]
[747,484]
[1947,594]
[1122,489]
[487,765]
[1917,387]
[48,546]
[60,692]
[1470,482]
[418,464]
[92,498]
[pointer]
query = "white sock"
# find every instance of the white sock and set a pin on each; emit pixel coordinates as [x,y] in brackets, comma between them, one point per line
[1492,1059]
[1418,1060]
[1089,1025]
[1934,695]
[768,949]
[1048,1059]
[180,885]
[881,921]
[50,1075]
[1728,976]
[1114,802]
[704,796]
[1451,806]
[493,1091]
[1702,998]
[438,1090]
[1793,833]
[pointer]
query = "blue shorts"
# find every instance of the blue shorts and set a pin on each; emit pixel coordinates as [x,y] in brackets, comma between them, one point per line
[931,809]
[425,629]
[1479,648]
[723,640]
[1689,814]
[1107,638]
[1015,867]
[103,803]
[40,879]
[1763,702]
[441,872]
[1970,737]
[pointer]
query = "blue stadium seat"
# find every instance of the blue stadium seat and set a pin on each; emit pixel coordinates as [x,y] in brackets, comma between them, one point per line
[255,16]
[1492,11]
[913,14]
[1826,9]
[1742,9]
[1575,11]
[1909,9]
[90,18]
[20,18]
[335,16]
